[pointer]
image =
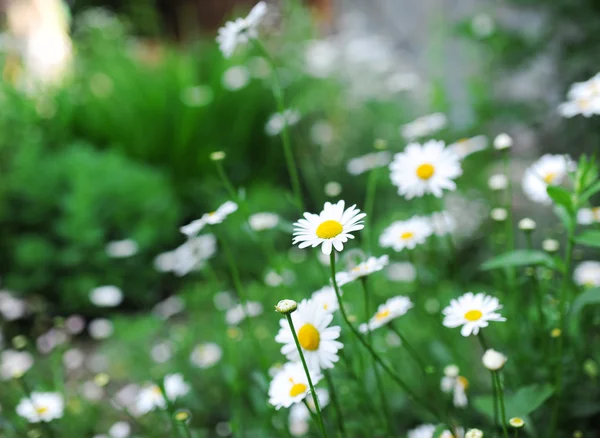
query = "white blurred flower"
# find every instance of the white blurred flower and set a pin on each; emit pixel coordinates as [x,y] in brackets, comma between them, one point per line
[241,31]
[188,257]
[41,407]
[493,360]
[13,364]
[300,415]
[150,397]
[50,340]
[237,314]
[320,58]
[120,429]
[467,146]
[263,221]
[169,307]
[326,298]
[278,121]
[406,234]
[442,223]
[474,433]
[121,248]
[106,296]
[73,358]
[333,189]
[550,245]
[423,126]
[393,308]
[74,324]
[11,308]
[527,224]
[503,141]
[259,67]
[212,218]
[322,133]
[457,385]
[369,266]
[373,160]
[197,97]
[401,271]
[482,25]
[587,274]
[588,216]
[235,78]
[584,99]
[426,431]
[498,182]
[162,352]
[224,300]
[100,328]
[206,355]
[548,170]
[499,214]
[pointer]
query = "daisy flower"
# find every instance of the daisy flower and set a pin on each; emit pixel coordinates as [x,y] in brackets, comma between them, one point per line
[548,170]
[206,355]
[467,146]
[326,299]
[372,264]
[330,228]
[406,234]
[121,248]
[390,310]
[238,313]
[151,397]
[442,223]
[428,168]
[426,431]
[588,216]
[472,312]
[212,218]
[41,406]
[300,414]
[583,98]
[263,221]
[456,384]
[367,162]
[318,341]
[278,121]
[13,364]
[423,126]
[240,31]
[106,296]
[587,274]
[290,385]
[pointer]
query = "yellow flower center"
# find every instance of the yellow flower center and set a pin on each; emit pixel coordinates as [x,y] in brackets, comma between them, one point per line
[212,213]
[462,381]
[473,315]
[297,389]
[156,391]
[549,177]
[407,235]
[309,337]
[596,213]
[325,306]
[425,171]
[41,410]
[382,315]
[329,229]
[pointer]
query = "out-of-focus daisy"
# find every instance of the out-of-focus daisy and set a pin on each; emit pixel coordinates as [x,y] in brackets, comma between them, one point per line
[367,162]
[162,352]
[456,384]
[331,228]
[428,168]
[442,223]
[187,257]
[550,245]
[263,221]
[206,355]
[372,264]
[212,218]
[390,310]
[11,307]
[503,141]
[426,431]
[300,414]
[106,296]
[238,313]
[583,98]
[121,429]
[73,358]
[169,307]
[472,312]
[235,78]
[588,216]
[50,340]
[467,146]
[322,133]
[13,364]
[333,189]
[317,339]
[493,360]
[406,234]
[548,170]
[587,274]
[474,433]
[121,248]
[320,58]
[100,328]
[290,385]
[41,407]
[423,126]
[150,397]
[482,25]
[278,121]
[499,214]
[326,298]
[240,31]
[498,182]
[401,271]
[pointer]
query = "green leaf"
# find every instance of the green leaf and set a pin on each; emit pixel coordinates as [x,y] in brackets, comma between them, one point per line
[565,217]
[589,296]
[520,404]
[589,238]
[560,196]
[589,192]
[519,257]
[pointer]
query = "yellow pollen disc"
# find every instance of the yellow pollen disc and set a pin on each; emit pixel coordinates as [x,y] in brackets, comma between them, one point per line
[156,390]
[309,337]
[329,229]
[555,333]
[596,213]
[381,315]
[41,410]
[325,306]
[297,389]
[462,381]
[356,268]
[425,171]
[407,235]
[549,178]
[473,315]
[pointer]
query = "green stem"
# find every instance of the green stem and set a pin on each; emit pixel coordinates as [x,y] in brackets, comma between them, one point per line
[310,383]
[412,351]
[484,346]
[336,403]
[375,356]
[369,205]
[510,240]
[285,135]
[500,391]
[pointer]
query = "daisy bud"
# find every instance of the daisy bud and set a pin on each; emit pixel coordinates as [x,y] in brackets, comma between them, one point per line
[499,214]
[182,416]
[474,433]
[503,141]
[285,307]
[498,182]
[516,422]
[493,360]
[527,224]
[550,245]
[217,156]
